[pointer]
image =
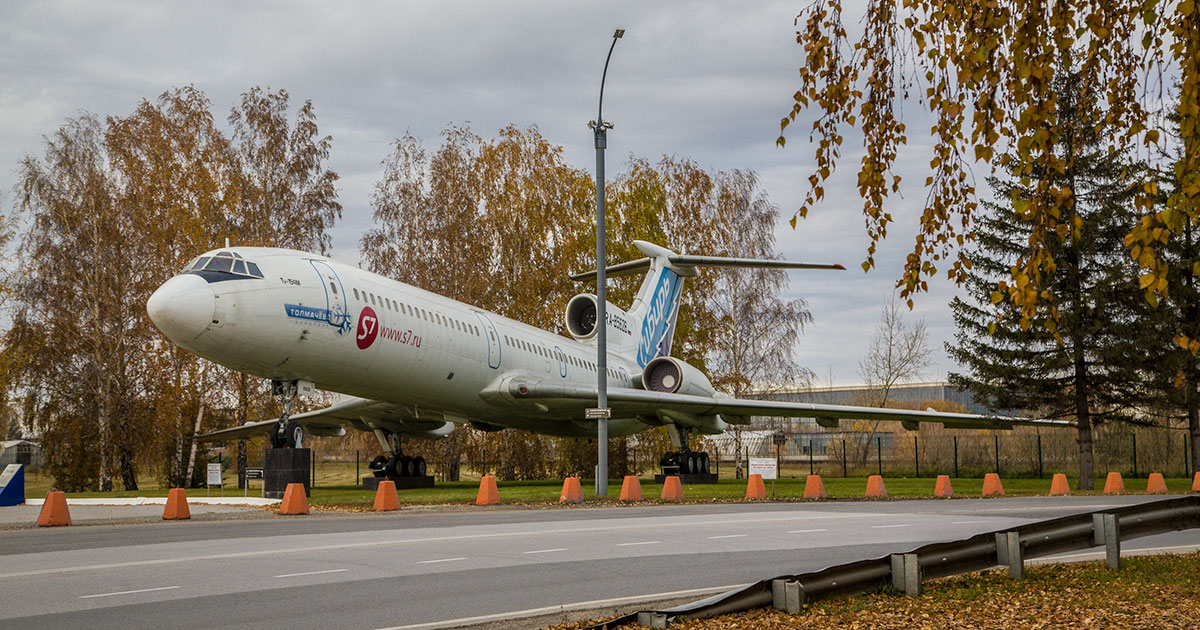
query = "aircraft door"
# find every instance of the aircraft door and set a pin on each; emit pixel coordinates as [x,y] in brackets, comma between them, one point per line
[335,296]
[562,361]
[493,340]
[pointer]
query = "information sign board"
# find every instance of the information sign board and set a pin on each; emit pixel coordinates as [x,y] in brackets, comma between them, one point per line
[214,474]
[764,466]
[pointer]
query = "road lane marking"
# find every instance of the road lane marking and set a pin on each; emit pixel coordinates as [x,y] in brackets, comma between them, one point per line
[727,536]
[648,542]
[546,550]
[140,590]
[673,523]
[287,575]
[440,560]
[967,522]
[806,531]
[535,612]
[888,526]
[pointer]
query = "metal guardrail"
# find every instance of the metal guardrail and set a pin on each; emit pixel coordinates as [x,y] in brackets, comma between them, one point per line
[1006,547]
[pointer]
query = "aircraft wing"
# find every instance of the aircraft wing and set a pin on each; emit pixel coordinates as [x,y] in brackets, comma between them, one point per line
[333,420]
[629,402]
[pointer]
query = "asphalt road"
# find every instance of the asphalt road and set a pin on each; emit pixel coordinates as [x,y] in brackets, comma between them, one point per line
[417,568]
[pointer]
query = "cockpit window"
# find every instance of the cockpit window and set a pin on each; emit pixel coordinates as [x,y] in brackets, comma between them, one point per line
[223,266]
[220,263]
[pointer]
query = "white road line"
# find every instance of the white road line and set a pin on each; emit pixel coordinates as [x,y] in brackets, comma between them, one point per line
[727,536]
[140,590]
[671,523]
[806,531]
[546,550]
[648,542]
[966,522]
[548,610]
[441,560]
[888,526]
[287,575]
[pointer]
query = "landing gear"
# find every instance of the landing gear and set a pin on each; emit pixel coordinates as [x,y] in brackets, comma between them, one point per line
[684,461]
[397,465]
[286,434]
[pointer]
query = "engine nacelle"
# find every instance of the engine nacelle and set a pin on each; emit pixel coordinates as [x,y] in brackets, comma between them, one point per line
[672,376]
[581,318]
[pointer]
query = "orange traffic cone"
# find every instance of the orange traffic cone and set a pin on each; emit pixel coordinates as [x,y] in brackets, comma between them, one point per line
[54,510]
[571,492]
[942,488]
[755,488]
[814,488]
[1156,484]
[631,489]
[1059,486]
[385,496]
[992,486]
[177,505]
[1114,484]
[488,495]
[295,501]
[1196,483]
[672,489]
[875,487]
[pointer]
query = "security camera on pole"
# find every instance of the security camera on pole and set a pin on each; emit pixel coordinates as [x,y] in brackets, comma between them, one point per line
[601,413]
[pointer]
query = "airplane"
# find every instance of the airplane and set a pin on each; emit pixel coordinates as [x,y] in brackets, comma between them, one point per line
[415,364]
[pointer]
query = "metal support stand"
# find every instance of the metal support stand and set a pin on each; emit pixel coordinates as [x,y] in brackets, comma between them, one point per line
[788,596]
[906,573]
[1010,554]
[1107,531]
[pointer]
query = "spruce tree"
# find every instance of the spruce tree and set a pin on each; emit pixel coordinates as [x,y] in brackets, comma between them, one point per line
[1084,367]
[1173,368]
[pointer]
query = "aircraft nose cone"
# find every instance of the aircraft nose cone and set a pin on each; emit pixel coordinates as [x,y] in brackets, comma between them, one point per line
[182,307]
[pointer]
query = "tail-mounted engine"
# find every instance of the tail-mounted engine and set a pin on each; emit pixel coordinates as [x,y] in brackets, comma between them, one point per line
[581,319]
[672,376]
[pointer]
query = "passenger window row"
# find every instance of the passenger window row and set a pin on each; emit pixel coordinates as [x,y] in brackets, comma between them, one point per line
[415,312]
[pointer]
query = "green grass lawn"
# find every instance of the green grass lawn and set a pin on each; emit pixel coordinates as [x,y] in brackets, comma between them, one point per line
[335,488]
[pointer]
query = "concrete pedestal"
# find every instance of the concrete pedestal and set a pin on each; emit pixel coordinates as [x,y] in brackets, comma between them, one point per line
[282,466]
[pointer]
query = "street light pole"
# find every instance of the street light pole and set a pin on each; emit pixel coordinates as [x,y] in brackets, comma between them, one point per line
[600,128]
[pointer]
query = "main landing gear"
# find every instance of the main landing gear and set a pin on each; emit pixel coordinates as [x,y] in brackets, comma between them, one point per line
[684,461]
[397,464]
[286,434]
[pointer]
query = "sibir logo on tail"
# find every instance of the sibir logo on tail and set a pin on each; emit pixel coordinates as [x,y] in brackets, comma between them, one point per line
[659,323]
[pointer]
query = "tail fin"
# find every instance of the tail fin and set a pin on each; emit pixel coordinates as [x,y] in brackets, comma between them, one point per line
[656,306]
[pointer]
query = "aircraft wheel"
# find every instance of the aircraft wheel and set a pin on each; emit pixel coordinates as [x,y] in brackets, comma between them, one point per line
[276,440]
[295,435]
[419,466]
[406,466]
[703,463]
[394,469]
[694,460]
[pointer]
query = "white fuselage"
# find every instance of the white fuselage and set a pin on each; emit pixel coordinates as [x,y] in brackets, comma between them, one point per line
[354,332]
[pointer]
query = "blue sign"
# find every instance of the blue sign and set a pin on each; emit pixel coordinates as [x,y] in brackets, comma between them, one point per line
[12,485]
[308,312]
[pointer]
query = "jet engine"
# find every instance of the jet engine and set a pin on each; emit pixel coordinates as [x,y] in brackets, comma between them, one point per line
[581,318]
[672,376]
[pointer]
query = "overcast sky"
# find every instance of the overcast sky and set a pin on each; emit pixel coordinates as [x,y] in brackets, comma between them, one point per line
[703,80]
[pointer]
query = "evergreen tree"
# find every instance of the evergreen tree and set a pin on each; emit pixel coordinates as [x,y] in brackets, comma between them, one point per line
[1173,368]
[1085,367]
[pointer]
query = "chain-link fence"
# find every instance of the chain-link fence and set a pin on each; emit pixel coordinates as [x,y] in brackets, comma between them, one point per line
[1023,452]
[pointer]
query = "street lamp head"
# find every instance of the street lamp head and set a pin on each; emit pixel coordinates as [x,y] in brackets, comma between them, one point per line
[620,32]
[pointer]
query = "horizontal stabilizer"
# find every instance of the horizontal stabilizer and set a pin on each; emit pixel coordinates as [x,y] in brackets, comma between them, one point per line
[686,266]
